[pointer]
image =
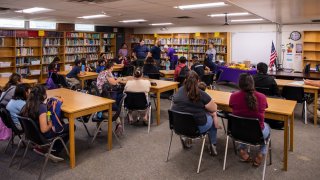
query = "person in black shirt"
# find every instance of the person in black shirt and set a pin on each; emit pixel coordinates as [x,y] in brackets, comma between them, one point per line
[263,80]
[53,70]
[149,67]
[198,67]
[156,52]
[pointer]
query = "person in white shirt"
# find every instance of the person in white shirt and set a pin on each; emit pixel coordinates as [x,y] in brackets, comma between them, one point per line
[138,85]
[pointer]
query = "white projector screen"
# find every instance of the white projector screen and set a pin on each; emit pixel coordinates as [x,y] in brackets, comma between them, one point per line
[255,47]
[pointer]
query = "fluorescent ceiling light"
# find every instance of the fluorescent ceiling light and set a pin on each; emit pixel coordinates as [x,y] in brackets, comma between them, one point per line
[94,16]
[160,24]
[34,10]
[229,14]
[133,20]
[246,20]
[199,6]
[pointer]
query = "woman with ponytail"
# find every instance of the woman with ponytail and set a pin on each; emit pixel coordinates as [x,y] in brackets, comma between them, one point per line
[249,103]
[191,99]
[36,110]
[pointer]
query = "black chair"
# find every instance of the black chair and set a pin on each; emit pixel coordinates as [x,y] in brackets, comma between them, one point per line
[264,90]
[115,116]
[184,124]
[128,70]
[8,122]
[247,131]
[138,101]
[296,94]
[32,134]
[154,75]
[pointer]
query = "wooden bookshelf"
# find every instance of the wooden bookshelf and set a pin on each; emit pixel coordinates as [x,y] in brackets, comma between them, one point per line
[190,44]
[311,48]
[108,45]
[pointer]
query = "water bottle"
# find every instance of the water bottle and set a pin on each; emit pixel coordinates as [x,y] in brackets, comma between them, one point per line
[167,66]
[83,68]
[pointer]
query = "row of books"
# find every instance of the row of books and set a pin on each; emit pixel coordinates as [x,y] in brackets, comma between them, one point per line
[199,49]
[50,51]
[1,41]
[221,49]
[24,52]
[27,61]
[94,36]
[92,57]
[51,42]
[108,35]
[74,35]
[74,42]
[198,41]
[47,59]
[91,42]
[28,71]
[110,55]
[149,41]
[53,34]
[7,33]
[107,42]
[216,41]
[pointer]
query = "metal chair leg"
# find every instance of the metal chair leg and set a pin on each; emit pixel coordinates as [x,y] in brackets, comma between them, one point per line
[201,153]
[46,160]
[118,140]
[224,126]
[85,126]
[15,153]
[169,146]
[96,132]
[24,154]
[149,119]
[305,112]
[234,147]
[10,141]
[265,162]
[64,145]
[270,152]
[225,154]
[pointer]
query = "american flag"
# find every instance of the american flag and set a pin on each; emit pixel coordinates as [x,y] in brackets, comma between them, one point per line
[273,55]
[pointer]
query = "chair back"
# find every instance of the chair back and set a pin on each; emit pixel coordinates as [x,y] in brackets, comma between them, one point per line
[136,101]
[94,89]
[244,129]
[154,75]
[264,90]
[293,93]
[118,112]
[7,120]
[183,124]
[208,79]
[128,70]
[32,131]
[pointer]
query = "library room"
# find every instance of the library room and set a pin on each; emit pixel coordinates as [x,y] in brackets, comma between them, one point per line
[159,89]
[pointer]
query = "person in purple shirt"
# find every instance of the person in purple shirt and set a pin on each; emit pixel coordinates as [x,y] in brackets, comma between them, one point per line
[170,55]
[124,50]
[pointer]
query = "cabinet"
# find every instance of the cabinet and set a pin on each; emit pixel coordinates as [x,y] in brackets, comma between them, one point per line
[311,48]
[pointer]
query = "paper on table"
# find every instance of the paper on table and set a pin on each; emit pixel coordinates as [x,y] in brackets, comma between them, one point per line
[297,83]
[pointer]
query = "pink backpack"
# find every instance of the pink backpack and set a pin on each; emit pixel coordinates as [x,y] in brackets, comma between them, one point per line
[5,133]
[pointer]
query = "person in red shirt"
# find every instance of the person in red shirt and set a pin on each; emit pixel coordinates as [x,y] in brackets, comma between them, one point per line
[249,103]
[182,64]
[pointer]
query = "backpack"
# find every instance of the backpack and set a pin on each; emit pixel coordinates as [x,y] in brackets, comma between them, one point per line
[184,72]
[54,111]
[50,84]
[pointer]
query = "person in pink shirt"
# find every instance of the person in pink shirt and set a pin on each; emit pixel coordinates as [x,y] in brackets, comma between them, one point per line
[249,103]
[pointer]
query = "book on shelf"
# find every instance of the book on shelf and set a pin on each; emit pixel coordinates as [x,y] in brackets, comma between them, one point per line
[198,41]
[51,42]
[74,35]
[53,34]
[5,63]
[91,49]
[108,35]
[94,36]
[107,42]
[48,59]
[7,33]
[50,51]
[24,51]
[74,42]
[21,61]
[92,42]
[5,74]
[216,41]
[69,50]
[1,41]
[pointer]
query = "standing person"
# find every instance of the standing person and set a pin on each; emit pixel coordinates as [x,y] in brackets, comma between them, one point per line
[191,99]
[36,110]
[156,52]
[170,56]
[141,52]
[123,51]
[249,103]
[9,88]
[17,102]
[211,58]
[53,69]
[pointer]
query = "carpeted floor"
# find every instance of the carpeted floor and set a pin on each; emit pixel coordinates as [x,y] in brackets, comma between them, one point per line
[143,156]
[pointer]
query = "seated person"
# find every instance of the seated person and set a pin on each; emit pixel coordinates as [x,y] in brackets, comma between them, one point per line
[53,68]
[149,67]
[263,80]
[181,66]
[249,103]
[36,109]
[72,76]
[209,63]
[17,102]
[86,65]
[138,85]
[198,67]
[190,99]
[107,83]
[101,65]
[9,88]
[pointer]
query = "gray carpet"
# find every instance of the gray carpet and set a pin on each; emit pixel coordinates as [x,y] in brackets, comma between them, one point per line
[143,156]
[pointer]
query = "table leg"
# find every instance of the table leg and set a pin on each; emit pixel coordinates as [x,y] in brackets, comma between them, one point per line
[291,132]
[110,128]
[315,108]
[82,84]
[158,108]
[72,142]
[285,144]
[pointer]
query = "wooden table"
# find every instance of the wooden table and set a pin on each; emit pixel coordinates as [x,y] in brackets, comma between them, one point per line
[293,75]
[82,78]
[118,67]
[4,80]
[167,73]
[307,89]
[77,104]
[162,86]
[278,109]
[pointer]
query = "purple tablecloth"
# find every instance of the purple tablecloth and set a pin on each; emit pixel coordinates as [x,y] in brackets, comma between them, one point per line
[231,74]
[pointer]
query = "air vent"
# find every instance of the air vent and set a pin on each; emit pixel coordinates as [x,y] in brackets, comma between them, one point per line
[316,20]
[92,1]
[183,17]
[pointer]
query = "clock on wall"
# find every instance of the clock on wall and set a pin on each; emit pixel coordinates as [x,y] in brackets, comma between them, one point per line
[295,35]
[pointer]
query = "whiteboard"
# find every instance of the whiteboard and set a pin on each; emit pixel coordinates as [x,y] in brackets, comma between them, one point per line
[255,47]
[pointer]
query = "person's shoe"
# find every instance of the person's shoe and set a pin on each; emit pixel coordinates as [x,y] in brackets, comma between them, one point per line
[213,149]
[186,142]
[244,156]
[39,151]
[119,129]
[55,158]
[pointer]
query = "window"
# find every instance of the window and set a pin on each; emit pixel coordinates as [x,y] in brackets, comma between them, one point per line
[9,23]
[42,25]
[84,27]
